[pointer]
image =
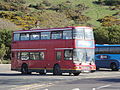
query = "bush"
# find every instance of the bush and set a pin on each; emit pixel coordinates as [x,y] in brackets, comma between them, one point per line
[16,1]
[5,43]
[112,2]
[6,61]
[107,35]
[109,21]
[46,3]
[117,7]
[5,6]
[40,6]
[25,21]
[108,2]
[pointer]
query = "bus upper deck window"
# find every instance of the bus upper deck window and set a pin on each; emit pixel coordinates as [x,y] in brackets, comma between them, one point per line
[89,34]
[67,34]
[34,36]
[16,37]
[78,33]
[57,35]
[45,35]
[24,36]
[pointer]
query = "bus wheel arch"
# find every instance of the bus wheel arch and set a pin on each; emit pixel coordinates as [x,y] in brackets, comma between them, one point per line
[24,69]
[56,69]
[114,66]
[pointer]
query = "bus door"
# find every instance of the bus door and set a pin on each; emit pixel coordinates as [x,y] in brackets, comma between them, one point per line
[68,59]
[59,57]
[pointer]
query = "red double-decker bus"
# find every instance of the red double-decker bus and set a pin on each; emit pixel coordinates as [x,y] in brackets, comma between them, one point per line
[57,50]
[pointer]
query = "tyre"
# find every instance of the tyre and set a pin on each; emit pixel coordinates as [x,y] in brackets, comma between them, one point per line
[114,67]
[24,69]
[97,69]
[92,71]
[56,70]
[70,74]
[76,74]
[42,72]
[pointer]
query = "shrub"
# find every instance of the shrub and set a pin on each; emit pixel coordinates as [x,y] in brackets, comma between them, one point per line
[112,2]
[13,7]
[107,35]
[108,2]
[117,7]
[5,43]
[6,61]
[16,1]
[46,3]
[109,21]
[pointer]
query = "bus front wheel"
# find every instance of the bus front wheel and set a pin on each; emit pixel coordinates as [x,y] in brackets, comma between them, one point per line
[114,67]
[76,74]
[56,70]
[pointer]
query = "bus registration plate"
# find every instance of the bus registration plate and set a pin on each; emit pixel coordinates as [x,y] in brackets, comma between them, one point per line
[85,69]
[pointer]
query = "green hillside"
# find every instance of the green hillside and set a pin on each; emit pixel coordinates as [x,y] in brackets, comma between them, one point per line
[95,11]
[53,13]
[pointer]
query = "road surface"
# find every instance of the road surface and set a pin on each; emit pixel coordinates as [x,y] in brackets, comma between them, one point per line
[100,80]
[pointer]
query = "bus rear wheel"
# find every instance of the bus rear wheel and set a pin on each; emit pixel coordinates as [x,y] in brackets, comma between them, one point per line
[114,67]
[76,74]
[56,70]
[24,69]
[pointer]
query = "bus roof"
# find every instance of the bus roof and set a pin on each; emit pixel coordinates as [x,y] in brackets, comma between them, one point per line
[51,29]
[107,45]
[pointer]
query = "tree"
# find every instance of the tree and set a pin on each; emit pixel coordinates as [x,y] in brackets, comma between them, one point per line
[2,52]
[107,35]
[5,40]
[114,34]
[101,35]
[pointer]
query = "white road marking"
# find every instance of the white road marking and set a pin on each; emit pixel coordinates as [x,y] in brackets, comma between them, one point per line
[75,89]
[46,89]
[100,87]
[32,86]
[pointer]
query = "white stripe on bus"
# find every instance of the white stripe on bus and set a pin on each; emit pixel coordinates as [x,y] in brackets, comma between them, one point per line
[62,48]
[26,49]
